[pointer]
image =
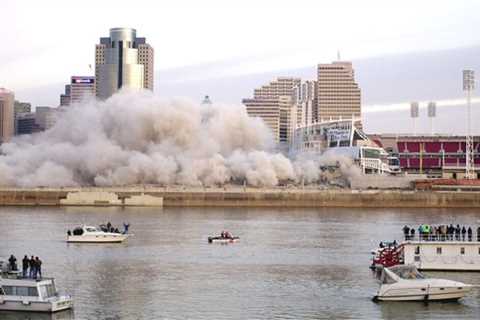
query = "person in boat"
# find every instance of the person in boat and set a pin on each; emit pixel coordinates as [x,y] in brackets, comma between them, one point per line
[464,231]
[31,264]
[125,227]
[109,226]
[25,263]
[228,235]
[406,232]
[412,233]
[478,234]
[12,261]
[38,264]
[222,234]
[116,230]
[469,233]
[69,233]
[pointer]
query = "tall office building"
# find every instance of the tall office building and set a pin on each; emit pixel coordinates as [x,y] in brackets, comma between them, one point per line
[304,97]
[338,95]
[7,118]
[79,89]
[22,107]
[123,61]
[45,117]
[274,105]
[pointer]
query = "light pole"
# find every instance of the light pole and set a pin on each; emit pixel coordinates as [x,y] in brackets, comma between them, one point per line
[468,86]
[414,115]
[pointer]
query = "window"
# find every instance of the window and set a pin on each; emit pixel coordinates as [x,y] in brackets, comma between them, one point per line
[8,290]
[32,291]
[462,250]
[20,291]
[47,291]
[439,250]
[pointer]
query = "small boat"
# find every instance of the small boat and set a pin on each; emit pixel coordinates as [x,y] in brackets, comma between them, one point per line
[220,239]
[89,234]
[406,283]
[31,295]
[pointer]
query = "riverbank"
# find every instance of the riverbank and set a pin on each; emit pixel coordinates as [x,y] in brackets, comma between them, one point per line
[252,197]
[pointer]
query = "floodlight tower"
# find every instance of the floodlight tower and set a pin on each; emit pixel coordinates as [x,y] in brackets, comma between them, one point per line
[414,115]
[468,86]
[432,113]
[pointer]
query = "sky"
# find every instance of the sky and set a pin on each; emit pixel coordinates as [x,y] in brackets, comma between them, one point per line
[46,42]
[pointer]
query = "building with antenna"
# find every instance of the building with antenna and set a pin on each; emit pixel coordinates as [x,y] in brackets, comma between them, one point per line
[338,95]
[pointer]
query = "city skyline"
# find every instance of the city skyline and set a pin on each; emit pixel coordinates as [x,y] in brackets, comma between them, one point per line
[203,70]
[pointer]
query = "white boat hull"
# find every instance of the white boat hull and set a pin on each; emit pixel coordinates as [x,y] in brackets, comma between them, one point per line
[98,238]
[438,296]
[61,304]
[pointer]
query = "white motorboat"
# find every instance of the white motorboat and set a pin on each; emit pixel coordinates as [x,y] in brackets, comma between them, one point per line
[406,283]
[31,295]
[89,234]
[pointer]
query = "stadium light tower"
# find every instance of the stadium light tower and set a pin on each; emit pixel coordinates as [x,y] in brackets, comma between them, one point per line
[432,113]
[468,86]
[414,115]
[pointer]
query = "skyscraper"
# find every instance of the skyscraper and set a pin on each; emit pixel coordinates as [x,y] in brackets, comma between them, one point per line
[123,61]
[7,119]
[304,98]
[274,105]
[79,89]
[338,95]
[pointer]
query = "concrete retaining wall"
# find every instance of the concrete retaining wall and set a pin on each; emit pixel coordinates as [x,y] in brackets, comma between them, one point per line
[239,197]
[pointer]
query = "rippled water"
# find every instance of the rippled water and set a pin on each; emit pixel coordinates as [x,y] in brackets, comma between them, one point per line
[289,264]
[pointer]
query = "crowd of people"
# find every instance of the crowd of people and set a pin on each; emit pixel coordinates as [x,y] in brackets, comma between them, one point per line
[31,267]
[441,233]
[108,227]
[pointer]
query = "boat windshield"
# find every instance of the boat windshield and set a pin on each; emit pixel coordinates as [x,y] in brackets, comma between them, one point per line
[407,272]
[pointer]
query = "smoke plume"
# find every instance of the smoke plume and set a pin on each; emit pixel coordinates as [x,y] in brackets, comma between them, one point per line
[137,138]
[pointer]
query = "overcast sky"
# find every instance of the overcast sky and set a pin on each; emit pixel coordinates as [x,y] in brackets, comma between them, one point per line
[45,42]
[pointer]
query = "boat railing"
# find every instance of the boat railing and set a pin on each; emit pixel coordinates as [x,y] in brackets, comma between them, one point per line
[443,237]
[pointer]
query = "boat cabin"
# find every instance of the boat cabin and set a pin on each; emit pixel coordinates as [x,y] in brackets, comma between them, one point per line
[443,255]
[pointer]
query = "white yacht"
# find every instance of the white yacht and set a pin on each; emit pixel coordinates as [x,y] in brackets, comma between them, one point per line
[95,235]
[406,283]
[31,295]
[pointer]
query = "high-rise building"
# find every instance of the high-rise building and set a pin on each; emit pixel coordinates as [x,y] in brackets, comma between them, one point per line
[274,105]
[283,86]
[22,107]
[45,117]
[7,117]
[338,95]
[79,89]
[123,61]
[304,97]
[25,124]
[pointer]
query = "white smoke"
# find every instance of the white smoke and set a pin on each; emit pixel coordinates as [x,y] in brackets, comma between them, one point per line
[136,138]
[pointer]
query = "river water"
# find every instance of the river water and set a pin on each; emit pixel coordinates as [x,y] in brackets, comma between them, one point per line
[289,263]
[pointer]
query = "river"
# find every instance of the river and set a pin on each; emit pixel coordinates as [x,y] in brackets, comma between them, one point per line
[289,263]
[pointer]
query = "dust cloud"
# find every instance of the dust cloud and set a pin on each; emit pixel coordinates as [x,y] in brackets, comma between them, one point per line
[137,138]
